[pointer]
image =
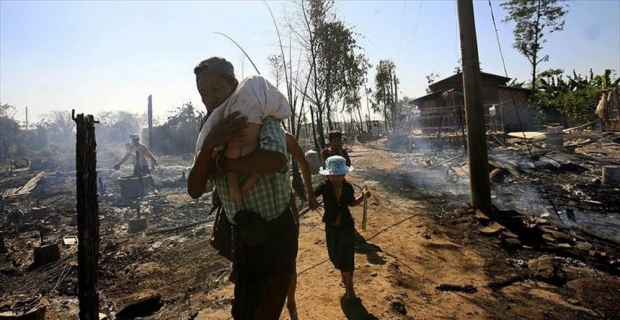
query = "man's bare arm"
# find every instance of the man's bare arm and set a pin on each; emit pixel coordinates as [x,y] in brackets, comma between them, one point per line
[200,172]
[125,158]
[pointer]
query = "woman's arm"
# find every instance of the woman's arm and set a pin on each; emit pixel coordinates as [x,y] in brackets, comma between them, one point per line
[295,150]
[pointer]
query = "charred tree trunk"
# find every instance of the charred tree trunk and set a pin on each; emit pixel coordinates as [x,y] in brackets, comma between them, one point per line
[396,114]
[316,142]
[320,129]
[2,244]
[386,103]
[87,217]
[351,126]
[328,114]
[7,155]
[298,125]
[292,123]
[359,113]
[369,123]
[392,105]
[306,134]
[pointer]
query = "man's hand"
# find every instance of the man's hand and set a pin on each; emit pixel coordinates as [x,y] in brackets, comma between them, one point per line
[313,204]
[215,171]
[227,129]
[117,166]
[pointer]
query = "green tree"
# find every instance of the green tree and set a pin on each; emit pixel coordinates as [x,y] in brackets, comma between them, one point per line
[182,123]
[355,82]
[115,127]
[386,91]
[60,129]
[533,18]
[9,132]
[575,96]
[6,110]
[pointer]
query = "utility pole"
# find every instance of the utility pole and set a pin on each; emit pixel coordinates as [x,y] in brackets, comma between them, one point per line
[479,184]
[26,118]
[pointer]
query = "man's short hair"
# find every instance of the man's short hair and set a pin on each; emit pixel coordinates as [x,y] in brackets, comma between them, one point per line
[216,65]
[334,134]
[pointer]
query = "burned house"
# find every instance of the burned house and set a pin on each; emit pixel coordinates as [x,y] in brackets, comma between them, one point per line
[506,108]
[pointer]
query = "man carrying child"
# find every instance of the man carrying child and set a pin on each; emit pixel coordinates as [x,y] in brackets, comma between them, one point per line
[264,228]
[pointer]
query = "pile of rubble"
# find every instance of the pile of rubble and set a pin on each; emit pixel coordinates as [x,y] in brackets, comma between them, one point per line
[38,242]
[518,231]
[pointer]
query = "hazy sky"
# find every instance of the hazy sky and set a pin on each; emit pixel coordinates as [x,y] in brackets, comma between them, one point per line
[94,56]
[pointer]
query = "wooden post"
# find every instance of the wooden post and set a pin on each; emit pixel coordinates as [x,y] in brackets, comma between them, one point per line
[462,128]
[150,119]
[2,244]
[7,154]
[365,212]
[480,185]
[438,147]
[140,173]
[87,217]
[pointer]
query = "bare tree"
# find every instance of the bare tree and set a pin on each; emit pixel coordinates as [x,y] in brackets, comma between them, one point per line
[334,60]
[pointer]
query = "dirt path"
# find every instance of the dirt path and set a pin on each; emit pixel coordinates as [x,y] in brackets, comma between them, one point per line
[404,255]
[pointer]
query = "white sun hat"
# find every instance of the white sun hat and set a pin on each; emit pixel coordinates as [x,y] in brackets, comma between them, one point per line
[335,166]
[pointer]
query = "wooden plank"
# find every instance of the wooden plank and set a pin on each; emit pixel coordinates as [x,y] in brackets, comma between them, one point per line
[26,188]
[462,171]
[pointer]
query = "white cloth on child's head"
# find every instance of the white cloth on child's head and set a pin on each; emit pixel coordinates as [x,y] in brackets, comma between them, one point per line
[255,98]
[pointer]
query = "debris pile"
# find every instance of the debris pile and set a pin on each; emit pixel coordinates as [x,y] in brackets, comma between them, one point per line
[38,243]
[517,231]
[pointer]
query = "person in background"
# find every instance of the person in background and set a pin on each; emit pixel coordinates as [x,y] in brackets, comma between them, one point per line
[335,147]
[138,152]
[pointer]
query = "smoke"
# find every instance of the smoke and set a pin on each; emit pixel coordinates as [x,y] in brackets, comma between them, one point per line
[113,133]
[525,193]
[427,171]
